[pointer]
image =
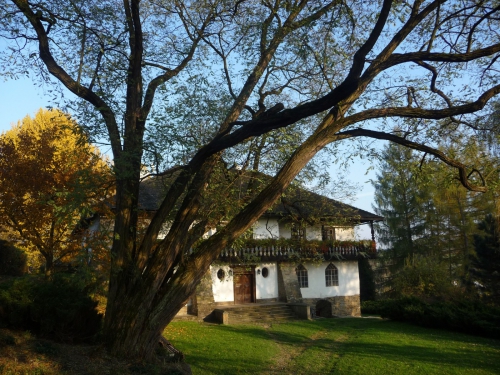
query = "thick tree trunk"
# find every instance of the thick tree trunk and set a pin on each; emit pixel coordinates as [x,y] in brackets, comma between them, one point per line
[143,302]
[132,334]
[49,265]
[140,316]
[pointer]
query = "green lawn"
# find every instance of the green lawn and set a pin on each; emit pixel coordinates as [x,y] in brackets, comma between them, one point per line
[348,346]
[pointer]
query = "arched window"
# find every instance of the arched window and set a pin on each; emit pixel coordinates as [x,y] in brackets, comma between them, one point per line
[331,275]
[302,276]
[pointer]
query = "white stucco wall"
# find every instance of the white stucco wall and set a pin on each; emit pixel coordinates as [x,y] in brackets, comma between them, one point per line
[285,231]
[165,228]
[348,280]
[266,228]
[222,289]
[266,287]
[344,234]
[313,233]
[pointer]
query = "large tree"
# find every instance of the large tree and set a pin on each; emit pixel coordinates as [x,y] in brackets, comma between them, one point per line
[456,211]
[403,198]
[201,82]
[50,179]
[485,267]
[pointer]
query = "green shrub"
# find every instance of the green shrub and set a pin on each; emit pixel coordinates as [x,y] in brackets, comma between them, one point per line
[469,316]
[59,309]
[13,261]
[15,302]
[372,307]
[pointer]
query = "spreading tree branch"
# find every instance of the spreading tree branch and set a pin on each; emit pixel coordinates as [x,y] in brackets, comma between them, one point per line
[462,169]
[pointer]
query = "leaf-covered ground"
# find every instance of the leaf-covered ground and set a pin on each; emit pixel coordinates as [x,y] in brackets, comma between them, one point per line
[23,354]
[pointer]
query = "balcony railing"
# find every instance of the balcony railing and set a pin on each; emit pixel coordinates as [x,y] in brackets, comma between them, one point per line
[292,250]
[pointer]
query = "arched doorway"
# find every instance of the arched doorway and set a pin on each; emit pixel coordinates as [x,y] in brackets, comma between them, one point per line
[324,308]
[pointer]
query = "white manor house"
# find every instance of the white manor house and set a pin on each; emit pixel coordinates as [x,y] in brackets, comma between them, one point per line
[301,253]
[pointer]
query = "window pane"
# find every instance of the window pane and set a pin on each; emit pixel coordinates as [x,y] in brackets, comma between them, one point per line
[298,232]
[331,275]
[328,233]
[302,276]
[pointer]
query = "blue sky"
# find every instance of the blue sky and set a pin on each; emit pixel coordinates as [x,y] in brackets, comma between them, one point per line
[19,98]
[22,97]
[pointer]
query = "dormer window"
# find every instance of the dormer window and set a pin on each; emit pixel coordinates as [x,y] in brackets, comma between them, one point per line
[328,233]
[298,232]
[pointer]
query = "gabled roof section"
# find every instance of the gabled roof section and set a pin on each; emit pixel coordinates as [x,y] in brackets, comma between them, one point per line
[300,203]
[152,191]
[296,203]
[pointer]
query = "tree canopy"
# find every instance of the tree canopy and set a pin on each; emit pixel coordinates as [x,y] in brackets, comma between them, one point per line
[430,223]
[197,86]
[485,267]
[50,179]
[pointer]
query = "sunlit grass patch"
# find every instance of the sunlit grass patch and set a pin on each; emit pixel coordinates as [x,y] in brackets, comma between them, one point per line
[349,346]
[213,349]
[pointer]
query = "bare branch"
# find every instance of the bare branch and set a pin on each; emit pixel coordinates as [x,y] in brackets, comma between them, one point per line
[401,58]
[462,169]
[433,82]
[76,88]
[170,73]
[359,59]
[167,172]
[433,114]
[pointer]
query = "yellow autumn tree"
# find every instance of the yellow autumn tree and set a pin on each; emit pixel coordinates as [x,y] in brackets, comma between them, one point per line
[53,183]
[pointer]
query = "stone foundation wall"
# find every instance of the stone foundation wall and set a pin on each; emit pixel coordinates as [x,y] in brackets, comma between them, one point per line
[205,303]
[341,305]
[267,300]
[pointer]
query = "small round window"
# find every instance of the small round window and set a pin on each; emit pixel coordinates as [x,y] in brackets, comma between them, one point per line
[265,272]
[221,274]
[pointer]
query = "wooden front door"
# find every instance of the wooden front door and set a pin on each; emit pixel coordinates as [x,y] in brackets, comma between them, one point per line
[243,287]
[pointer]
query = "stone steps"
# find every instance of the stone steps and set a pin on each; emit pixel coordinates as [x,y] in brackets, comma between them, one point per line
[259,313]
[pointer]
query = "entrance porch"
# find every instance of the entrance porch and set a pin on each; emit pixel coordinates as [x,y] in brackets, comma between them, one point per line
[269,312]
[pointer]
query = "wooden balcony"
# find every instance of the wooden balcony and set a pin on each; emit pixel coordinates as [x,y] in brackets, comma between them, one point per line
[252,250]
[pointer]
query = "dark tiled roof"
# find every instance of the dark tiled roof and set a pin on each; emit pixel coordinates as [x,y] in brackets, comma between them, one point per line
[302,203]
[297,203]
[152,191]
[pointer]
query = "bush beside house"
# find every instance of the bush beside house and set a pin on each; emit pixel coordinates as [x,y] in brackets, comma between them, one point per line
[468,316]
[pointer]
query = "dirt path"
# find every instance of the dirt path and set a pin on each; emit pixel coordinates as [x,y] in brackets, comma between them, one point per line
[285,360]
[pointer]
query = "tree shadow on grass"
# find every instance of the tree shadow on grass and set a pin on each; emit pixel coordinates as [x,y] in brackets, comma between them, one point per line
[228,350]
[252,349]
[368,341]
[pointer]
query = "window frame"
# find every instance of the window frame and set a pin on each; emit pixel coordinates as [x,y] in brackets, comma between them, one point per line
[221,274]
[297,232]
[331,275]
[302,276]
[328,233]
